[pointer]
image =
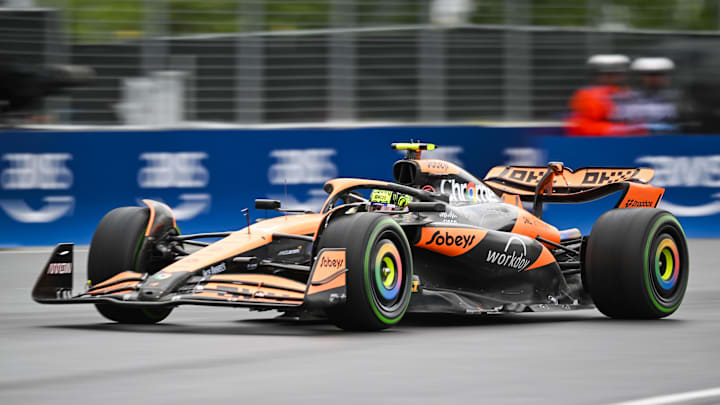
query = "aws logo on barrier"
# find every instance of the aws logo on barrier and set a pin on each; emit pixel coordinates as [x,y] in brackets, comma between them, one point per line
[46,173]
[178,170]
[450,241]
[297,167]
[686,171]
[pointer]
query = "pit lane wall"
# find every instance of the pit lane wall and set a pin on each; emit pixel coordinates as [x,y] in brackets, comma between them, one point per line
[55,186]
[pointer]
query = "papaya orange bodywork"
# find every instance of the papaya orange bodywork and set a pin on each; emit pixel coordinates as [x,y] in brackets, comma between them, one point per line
[118,278]
[241,241]
[544,259]
[329,263]
[529,225]
[129,285]
[641,196]
[433,166]
[337,282]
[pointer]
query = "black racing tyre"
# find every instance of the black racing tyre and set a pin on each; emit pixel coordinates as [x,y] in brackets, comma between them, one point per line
[114,248]
[636,263]
[380,269]
[122,314]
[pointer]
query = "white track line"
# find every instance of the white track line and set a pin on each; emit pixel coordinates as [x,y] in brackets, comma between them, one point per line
[675,398]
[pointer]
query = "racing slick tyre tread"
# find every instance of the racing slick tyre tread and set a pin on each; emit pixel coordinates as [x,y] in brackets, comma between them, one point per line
[114,248]
[636,263]
[379,277]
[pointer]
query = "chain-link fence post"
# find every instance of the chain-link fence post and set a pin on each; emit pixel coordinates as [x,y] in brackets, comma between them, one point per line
[154,47]
[249,62]
[517,61]
[432,75]
[597,39]
[57,51]
[341,58]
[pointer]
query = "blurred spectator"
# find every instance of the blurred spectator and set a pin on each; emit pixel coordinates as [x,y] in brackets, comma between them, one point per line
[654,104]
[595,108]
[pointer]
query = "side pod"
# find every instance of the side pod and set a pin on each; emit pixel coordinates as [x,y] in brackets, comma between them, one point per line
[56,280]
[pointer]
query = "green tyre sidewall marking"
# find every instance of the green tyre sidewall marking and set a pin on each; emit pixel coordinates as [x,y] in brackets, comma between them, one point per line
[137,250]
[646,271]
[366,271]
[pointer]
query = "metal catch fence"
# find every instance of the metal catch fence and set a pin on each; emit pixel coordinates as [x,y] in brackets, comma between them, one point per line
[251,61]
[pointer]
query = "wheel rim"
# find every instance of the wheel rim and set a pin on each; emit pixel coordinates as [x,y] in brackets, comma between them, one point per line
[388,275]
[667,266]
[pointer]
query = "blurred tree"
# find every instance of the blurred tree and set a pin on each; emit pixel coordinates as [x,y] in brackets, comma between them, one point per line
[201,17]
[297,15]
[488,12]
[391,12]
[95,20]
[99,21]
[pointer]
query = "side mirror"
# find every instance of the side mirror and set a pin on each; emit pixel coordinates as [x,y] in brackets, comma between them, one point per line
[426,207]
[262,204]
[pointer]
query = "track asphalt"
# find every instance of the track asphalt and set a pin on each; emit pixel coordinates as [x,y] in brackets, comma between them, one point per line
[69,354]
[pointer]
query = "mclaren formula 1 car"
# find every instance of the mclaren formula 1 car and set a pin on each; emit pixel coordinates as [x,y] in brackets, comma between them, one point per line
[437,239]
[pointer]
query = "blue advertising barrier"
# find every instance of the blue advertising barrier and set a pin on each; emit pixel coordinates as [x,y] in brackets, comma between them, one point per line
[56,186]
[687,166]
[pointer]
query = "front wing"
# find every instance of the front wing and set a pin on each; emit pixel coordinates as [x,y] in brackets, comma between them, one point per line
[326,286]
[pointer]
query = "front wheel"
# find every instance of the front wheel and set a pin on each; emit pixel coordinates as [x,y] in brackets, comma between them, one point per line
[117,246]
[380,268]
[636,264]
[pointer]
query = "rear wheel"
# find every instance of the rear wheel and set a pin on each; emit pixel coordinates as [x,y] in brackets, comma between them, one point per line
[637,263]
[116,246]
[379,278]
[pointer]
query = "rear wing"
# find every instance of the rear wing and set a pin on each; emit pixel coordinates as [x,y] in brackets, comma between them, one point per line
[524,179]
[559,184]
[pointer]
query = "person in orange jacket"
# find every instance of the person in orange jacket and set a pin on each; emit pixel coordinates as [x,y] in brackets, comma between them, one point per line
[594,108]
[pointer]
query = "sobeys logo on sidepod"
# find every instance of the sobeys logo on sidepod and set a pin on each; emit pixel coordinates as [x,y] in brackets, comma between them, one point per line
[447,239]
[450,241]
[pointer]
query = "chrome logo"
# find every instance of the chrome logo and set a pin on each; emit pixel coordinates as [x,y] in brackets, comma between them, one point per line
[467,191]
